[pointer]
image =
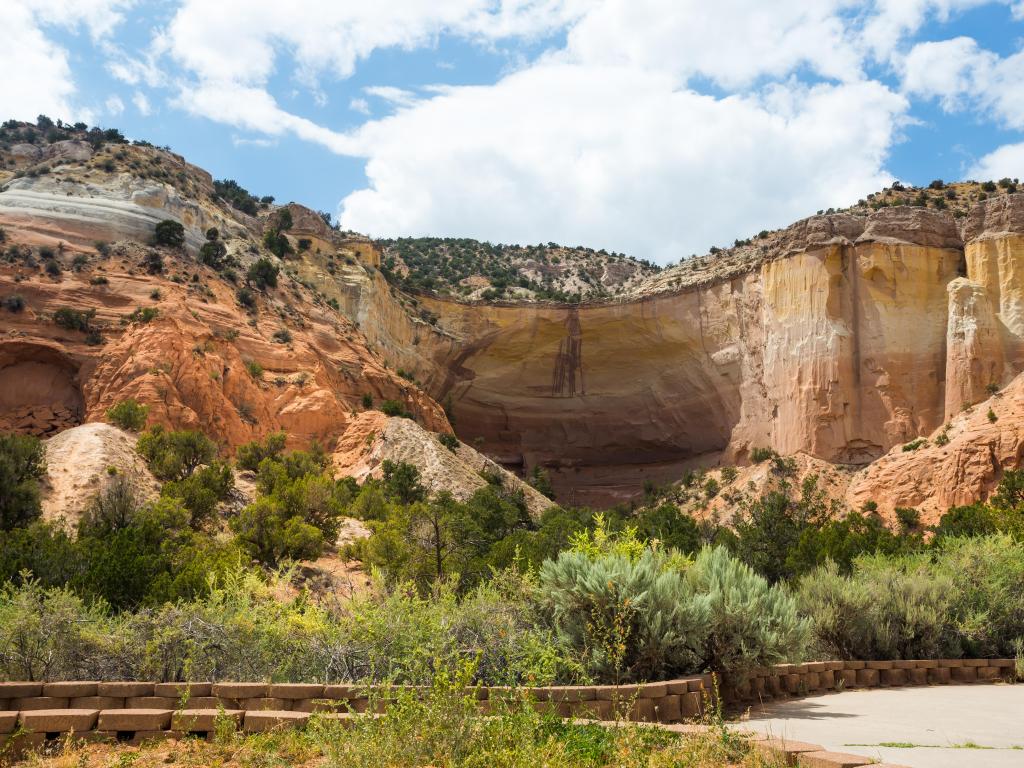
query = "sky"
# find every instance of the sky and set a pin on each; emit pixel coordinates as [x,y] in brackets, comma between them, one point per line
[656,128]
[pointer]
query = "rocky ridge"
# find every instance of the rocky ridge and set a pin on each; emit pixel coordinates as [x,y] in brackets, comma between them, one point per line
[852,334]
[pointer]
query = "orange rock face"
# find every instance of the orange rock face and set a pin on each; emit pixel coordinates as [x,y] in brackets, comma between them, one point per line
[194,364]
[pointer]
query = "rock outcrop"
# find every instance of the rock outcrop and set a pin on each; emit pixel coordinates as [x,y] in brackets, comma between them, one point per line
[83,461]
[374,438]
[843,337]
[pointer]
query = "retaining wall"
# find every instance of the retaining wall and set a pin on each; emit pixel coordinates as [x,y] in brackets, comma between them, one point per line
[33,712]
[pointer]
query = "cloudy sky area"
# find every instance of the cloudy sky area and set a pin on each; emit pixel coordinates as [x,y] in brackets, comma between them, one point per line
[653,127]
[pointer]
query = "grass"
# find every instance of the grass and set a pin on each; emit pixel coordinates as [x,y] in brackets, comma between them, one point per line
[442,729]
[912,745]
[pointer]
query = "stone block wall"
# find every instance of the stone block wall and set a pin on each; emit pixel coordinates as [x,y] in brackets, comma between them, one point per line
[33,712]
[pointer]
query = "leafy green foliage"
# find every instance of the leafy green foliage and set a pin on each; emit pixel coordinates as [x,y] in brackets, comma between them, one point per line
[128,415]
[263,274]
[249,455]
[175,455]
[236,196]
[170,233]
[74,319]
[21,468]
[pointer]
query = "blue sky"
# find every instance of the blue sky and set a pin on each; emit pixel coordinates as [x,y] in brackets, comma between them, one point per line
[653,127]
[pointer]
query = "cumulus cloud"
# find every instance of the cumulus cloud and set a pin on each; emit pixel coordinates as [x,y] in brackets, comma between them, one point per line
[1007,161]
[141,103]
[962,75]
[37,76]
[114,105]
[536,158]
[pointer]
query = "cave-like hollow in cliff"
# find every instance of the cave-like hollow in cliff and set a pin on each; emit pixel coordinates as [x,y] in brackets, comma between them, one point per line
[39,391]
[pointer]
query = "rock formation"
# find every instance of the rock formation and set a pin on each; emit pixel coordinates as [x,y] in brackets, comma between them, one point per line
[844,336]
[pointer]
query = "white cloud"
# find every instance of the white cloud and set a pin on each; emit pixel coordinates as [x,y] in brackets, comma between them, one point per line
[141,103]
[37,75]
[962,75]
[362,106]
[1007,161]
[239,141]
[114,106]
[537,157]
[396,96]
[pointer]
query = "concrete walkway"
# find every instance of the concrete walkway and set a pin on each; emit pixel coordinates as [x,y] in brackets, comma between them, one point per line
[941,721]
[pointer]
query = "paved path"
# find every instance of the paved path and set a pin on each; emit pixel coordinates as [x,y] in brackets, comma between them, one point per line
[937,718]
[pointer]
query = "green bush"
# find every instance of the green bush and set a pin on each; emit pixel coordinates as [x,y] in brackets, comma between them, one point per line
[170,233]
[263,273]
[888,608]
[269,535]
[175,455]
[249,455]
[750,623]
[449,441]
[21,468]
[630,616]
[74,319]
[201,491]
[128,415]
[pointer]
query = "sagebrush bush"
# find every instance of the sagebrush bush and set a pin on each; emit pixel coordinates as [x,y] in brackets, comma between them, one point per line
[750,623]
[630,618]
[887,608]
[21,468]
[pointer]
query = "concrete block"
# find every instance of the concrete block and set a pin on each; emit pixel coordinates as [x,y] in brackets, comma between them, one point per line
[826,759]
[203,720]
[8,722]
[293,691]
[642,711]
[597,709]
[867,678]
[20,690]
[939,675]
[269,720]
[319,705]
[134,719]
[827,679]
[854,664]
[783,749]
[964,674]
[690,705]
[240,690]
[905,664]
[39,702]
[150,702]
[59,720]
[988,674]
[96,702]
[668,709]
[354,691]
[975,662]
[950,663]
[264,703]
[917,676]
[71,689]
[125,689]
[653,690]
[892,677]
[848,677]
[177,690]
[616,692]
[927,663]
[878,665]
[137,738]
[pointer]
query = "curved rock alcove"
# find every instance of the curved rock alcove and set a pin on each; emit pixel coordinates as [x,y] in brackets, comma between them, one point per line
[39,390]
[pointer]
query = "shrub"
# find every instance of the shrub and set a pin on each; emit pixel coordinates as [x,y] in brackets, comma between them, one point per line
[394,408]
[153,262]
[249,455]
[13,303]
[52,267]
[246,298]
[991,416]
[143,315]
[888,608]
[263,273]
[212,254]
[629,618]
[128,415]
[201,491]
[170,233]
[175,455]
[449,441]
[270,536]
[750,623]
[254,368]
[21,468]
[282,336]
[73,319]
[367,401]
[757,455]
